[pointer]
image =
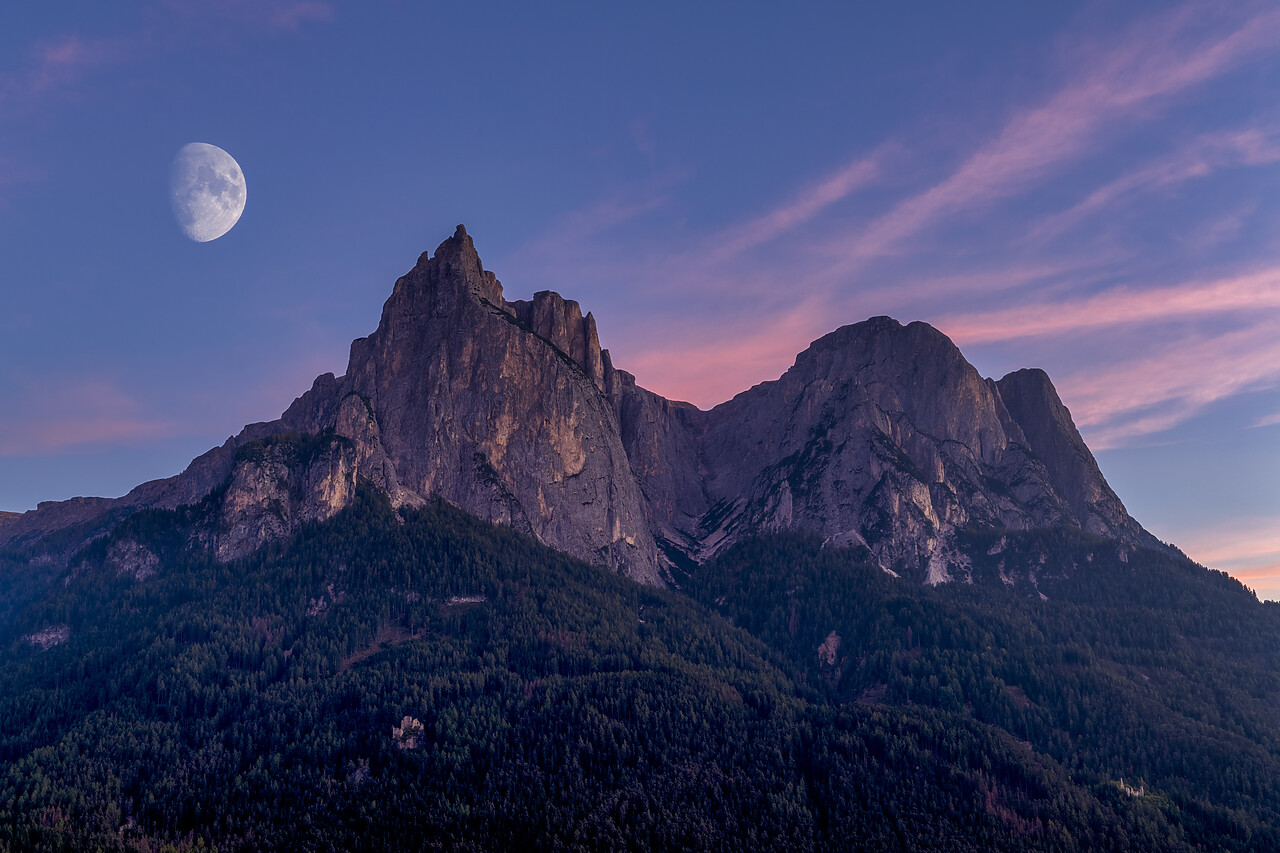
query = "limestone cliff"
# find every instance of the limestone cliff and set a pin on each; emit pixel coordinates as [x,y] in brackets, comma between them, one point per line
[498,409]
[1052,436]
[880,435]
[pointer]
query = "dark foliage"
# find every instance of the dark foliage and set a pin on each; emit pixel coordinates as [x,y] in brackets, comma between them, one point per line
[251,705]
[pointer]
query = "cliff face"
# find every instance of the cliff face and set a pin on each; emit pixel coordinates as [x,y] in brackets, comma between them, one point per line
[1033,403]
[883,435]
[498,409]
[880,435]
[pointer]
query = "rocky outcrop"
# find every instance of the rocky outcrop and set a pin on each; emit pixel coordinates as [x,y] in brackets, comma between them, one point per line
[128,558]
[500,410]
[1052,436]
[49,516]
[664,441]
[277,485]
[560,323]
[880,435]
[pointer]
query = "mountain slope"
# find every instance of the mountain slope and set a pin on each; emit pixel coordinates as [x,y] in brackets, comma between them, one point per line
[420,679]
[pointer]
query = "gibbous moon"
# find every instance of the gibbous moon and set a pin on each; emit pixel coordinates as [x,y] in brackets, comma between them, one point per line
[208,191]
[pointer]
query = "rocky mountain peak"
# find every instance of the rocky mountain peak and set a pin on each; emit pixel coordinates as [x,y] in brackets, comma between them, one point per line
[880,435]
[559,321]
[1051,434]
[914,370]
[453,272]
[499,409]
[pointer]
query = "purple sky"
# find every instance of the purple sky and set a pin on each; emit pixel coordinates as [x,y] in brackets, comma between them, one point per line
[1091,189]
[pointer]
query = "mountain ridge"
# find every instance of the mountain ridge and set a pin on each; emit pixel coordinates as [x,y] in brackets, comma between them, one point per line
[880,435]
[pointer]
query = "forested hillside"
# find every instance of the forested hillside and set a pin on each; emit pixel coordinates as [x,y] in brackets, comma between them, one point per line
[419,679]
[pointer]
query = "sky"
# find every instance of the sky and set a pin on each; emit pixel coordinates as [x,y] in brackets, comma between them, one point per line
[1089,188]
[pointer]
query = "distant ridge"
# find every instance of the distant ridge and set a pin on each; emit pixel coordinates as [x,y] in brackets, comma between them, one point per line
[880,436]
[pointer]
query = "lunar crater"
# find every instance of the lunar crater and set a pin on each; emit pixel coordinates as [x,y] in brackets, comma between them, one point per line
[208,191]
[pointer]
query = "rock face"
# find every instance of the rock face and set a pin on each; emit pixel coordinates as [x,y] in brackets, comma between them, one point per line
[884,435]
[498,409]
[277,485]
[1033,403]
[880,435]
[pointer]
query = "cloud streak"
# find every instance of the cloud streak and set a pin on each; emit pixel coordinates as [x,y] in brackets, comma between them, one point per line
[769,305]
[60,64]
[1172,383]
[1156,59]
[834,188]
[731,359]
[1248,551]
[1203,157]
[269,16]
[59,417]
[1249,293]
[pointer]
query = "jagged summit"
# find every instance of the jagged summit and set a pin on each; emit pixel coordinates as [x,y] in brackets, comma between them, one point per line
[880,435]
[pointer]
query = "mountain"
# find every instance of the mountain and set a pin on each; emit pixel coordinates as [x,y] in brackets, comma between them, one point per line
[880,436]
[484,592]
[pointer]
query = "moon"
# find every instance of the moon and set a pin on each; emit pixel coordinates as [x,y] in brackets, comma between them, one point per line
[208,191]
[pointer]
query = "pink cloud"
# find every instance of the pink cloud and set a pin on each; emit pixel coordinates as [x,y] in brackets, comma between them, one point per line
[1156,59]
[1171,383]
[264,15]
[768,308]
[1256,539]
[1269,420]
[57,416]
[61,62]
[1205,155]
[1248,550]
[1271,572]
[290,16]
[1119,307]
[730,359]
[832,189]
[1264,581]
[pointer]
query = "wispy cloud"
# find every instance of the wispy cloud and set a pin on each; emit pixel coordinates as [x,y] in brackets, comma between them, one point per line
[768,305]
[1201,158]
[732,358]
[60,65]
[1248,541]
[1158,58]
[809,203]
[1268,572]
[59,62]
[264,15]
[1263,580]
[64,416]
[1248,549]
[1122,306]
[1268,420]
[1171,383]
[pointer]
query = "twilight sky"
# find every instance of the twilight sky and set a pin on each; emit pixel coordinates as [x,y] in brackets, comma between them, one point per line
[1089,188]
